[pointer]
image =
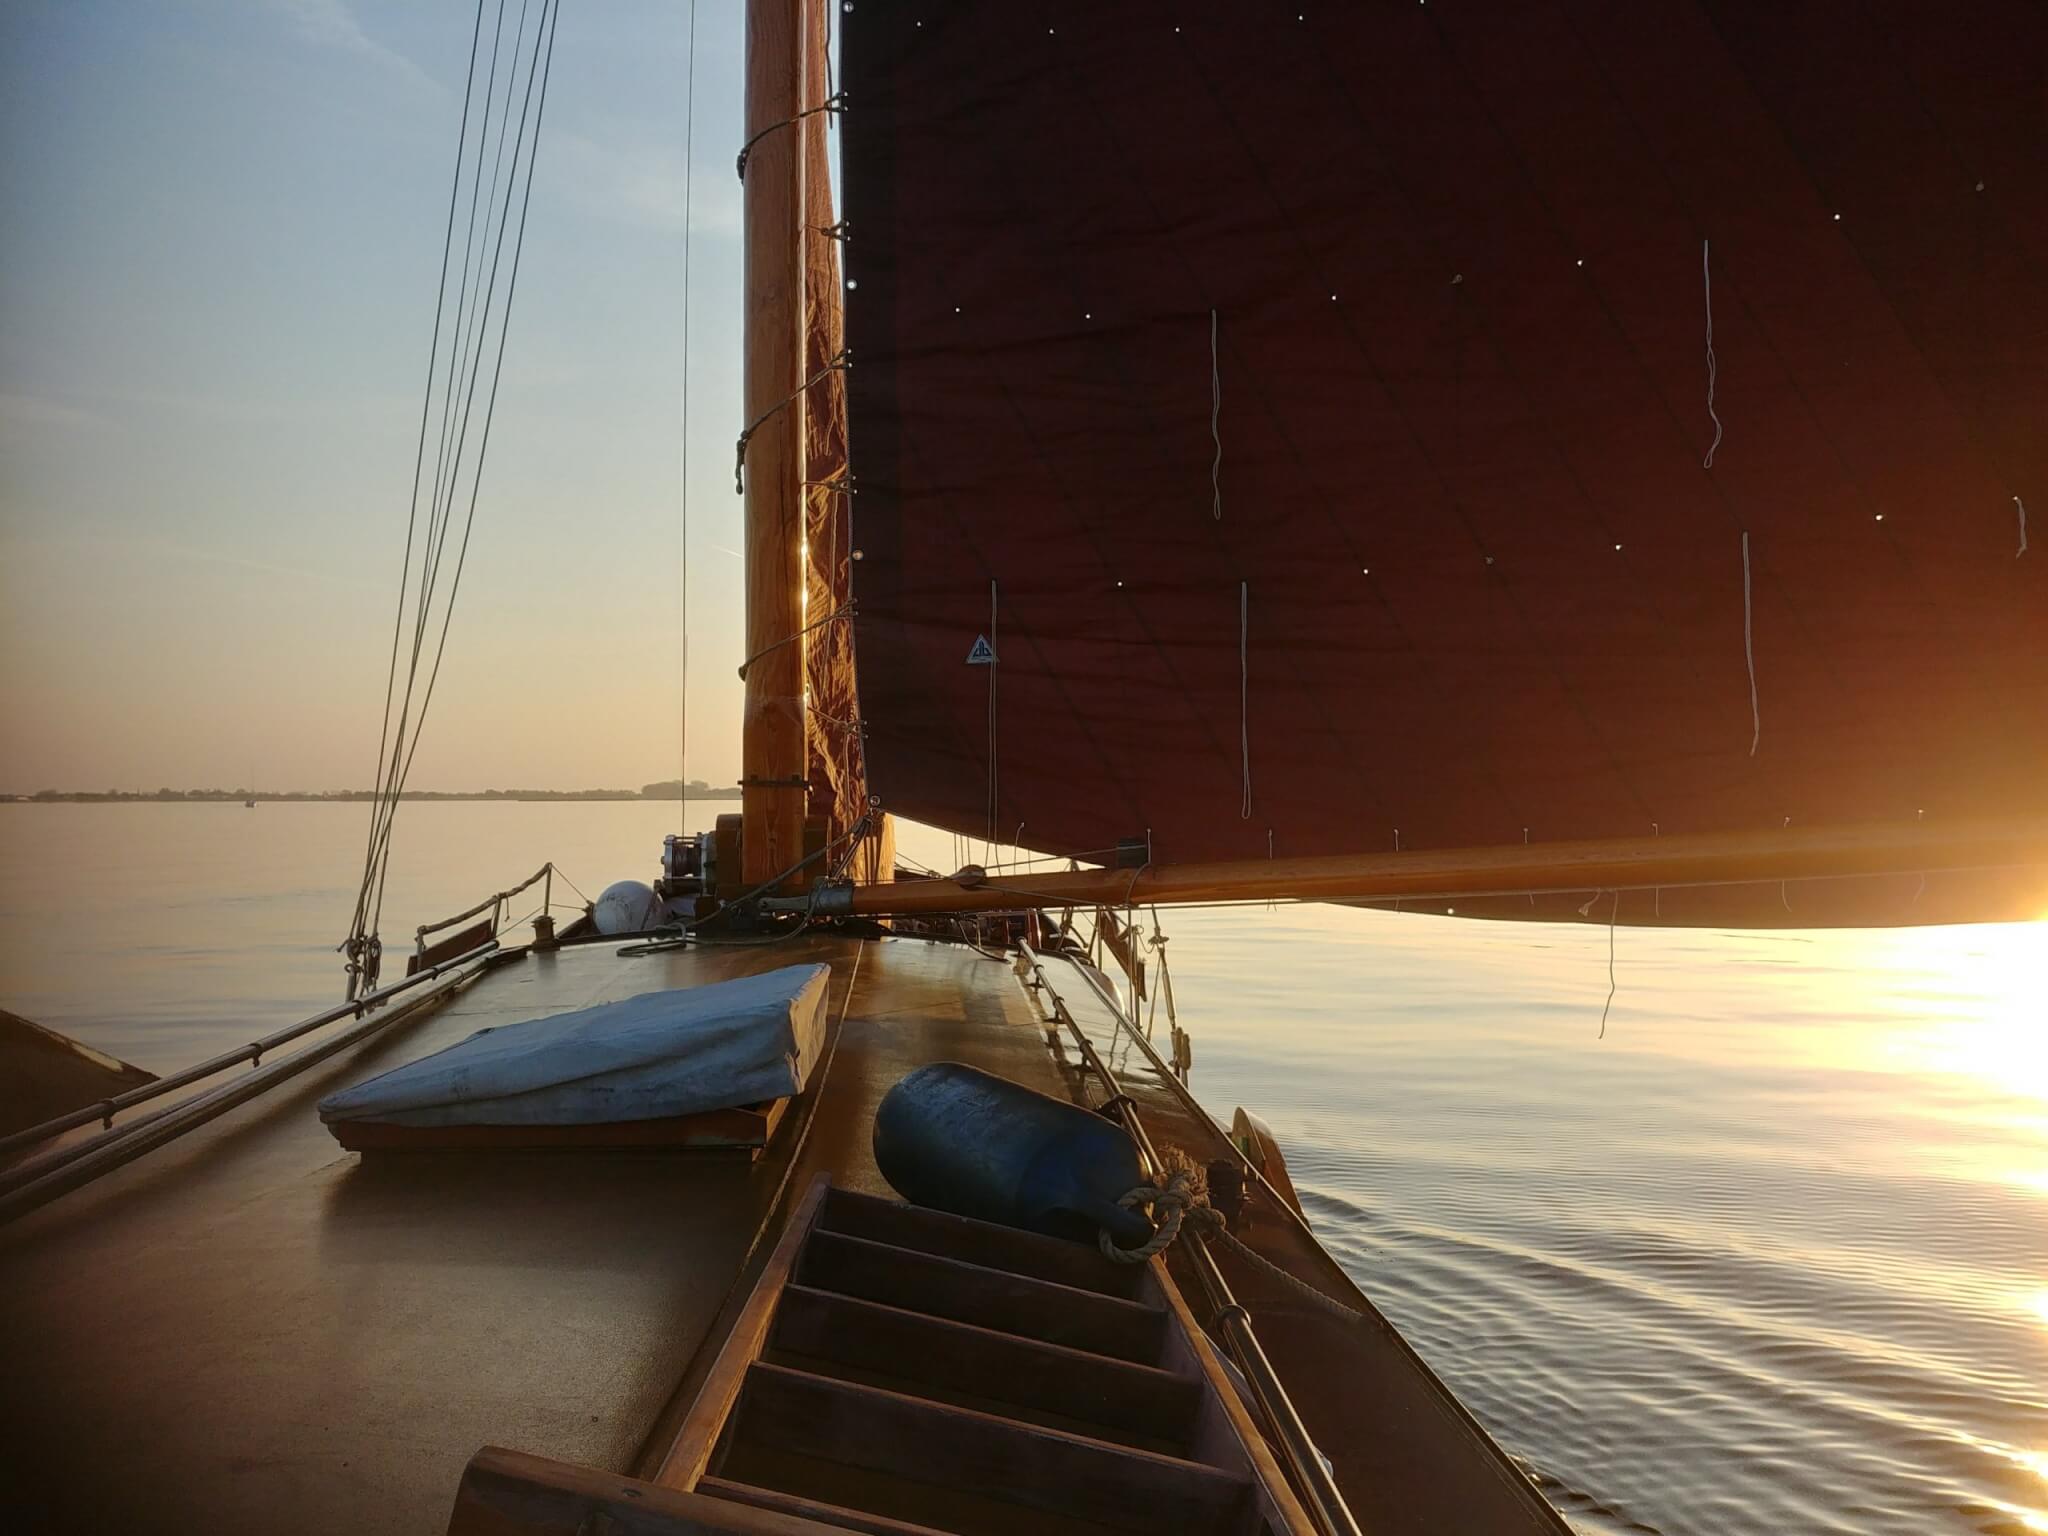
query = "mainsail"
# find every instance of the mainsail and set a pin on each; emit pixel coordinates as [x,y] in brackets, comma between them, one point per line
[1373,428]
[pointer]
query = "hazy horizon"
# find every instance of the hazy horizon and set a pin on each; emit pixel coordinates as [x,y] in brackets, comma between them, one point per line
[697,788]
[220,227]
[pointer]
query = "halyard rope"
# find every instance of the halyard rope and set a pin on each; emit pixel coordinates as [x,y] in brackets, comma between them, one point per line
[1244,693]
[1215,424]
[1713,368]
[1756,719]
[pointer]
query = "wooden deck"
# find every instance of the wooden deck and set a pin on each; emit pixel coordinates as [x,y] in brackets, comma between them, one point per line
[252,1329]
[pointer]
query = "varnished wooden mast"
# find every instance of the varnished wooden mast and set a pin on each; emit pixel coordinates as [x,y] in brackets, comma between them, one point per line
[772,801]
[1614,864]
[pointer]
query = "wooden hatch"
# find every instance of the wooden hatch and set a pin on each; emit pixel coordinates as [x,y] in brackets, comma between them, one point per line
[902,1372]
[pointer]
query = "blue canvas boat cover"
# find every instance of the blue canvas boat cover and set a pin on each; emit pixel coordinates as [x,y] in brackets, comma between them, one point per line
[676,1052]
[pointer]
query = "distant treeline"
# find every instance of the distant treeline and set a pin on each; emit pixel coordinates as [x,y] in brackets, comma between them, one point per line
[670,790]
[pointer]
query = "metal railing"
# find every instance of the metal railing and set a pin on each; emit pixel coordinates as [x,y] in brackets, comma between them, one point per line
[1312,1477]
[44,1176]
[42,1179]
[495,904]
[253,1053]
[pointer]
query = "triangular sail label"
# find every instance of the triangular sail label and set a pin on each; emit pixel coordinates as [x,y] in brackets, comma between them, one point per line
[983,654]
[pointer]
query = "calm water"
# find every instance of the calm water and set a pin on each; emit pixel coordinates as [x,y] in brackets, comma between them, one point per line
[1770,1257]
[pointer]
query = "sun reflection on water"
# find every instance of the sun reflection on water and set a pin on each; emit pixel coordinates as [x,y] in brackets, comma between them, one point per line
[1971,1001]
[2035,1462]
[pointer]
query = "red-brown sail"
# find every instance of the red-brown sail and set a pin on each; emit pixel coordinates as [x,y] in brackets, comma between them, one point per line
[1447,566]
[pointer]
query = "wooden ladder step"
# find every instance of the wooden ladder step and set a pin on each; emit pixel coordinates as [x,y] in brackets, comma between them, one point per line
[796,1486]
[1016,1464]
[1117,1399]
[978,1242]
[986,1297]
[834,1515]
[511,1493]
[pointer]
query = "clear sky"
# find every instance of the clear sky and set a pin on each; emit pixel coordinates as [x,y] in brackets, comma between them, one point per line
[220,230]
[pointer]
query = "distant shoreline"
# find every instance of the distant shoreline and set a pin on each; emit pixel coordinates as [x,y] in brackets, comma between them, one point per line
[655,792]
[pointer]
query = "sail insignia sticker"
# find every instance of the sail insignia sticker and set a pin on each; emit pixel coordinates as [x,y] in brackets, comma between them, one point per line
[983,654]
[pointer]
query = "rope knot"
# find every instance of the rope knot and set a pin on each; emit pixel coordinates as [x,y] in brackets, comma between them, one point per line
[1180,1200]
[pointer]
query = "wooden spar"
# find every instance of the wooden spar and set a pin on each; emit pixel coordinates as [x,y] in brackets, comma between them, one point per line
[772,800]
[1613,864]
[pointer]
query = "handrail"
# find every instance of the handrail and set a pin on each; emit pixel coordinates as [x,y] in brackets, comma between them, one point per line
[105,1110]
[37,1183]
[489,902]
[1324,1499]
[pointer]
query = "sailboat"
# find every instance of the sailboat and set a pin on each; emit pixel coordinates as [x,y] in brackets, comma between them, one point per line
[1564,464]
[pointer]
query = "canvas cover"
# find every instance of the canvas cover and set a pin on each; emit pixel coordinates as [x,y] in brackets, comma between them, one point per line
[1311,409]
[661,1054]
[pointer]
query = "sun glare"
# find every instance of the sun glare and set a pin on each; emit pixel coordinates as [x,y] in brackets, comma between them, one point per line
[1978,998]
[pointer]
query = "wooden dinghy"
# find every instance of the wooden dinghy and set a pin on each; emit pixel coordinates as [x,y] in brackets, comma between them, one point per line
[707,1067]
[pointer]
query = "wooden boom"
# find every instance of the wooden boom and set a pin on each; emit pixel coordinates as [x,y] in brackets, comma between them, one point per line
[1613,864]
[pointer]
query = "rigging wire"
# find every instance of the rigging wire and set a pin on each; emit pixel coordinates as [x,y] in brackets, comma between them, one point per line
[353,946]
[455,431]
[399,738]
[683,466]
[469,334]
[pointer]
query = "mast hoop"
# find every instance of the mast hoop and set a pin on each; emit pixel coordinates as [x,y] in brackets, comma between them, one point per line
[739,467]
[834,103]
[845,612]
